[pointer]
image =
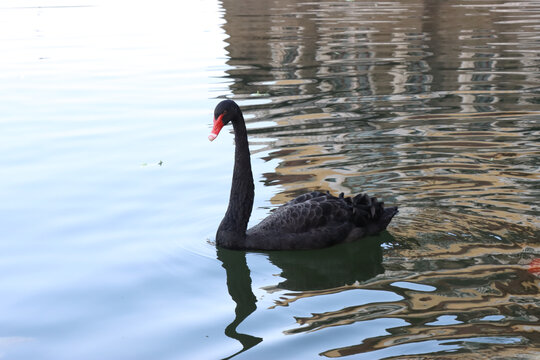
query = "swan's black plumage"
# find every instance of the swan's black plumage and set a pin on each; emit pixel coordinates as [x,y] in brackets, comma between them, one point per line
[313,220]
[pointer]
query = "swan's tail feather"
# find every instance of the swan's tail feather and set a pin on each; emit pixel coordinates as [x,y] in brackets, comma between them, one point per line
[387,216]
[371,213]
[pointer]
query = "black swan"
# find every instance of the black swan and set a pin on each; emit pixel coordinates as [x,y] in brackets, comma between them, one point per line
[313,220]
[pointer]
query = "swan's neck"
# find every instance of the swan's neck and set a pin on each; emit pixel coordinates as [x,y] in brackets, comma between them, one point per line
[232,230]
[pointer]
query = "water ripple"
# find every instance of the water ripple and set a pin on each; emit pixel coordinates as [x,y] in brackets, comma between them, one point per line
[392,98]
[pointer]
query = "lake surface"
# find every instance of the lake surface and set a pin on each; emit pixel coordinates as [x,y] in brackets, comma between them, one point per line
[110,193]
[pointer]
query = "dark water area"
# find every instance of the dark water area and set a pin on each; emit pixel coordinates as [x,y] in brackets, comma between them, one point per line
[110,194]
[430,105]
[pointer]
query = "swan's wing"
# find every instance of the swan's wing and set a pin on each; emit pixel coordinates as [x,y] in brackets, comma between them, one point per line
[306,215]
[315,210]
[308,196]
[317,220]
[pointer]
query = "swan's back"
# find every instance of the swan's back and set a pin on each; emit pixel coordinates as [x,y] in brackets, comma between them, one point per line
[316,220]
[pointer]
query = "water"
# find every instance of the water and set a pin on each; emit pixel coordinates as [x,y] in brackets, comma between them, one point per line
[111,194]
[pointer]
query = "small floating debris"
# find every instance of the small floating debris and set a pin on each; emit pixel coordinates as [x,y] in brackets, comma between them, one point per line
[159,163]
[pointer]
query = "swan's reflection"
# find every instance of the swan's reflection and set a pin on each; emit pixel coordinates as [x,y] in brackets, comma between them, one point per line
[302,271]
[339,265]
[239,286]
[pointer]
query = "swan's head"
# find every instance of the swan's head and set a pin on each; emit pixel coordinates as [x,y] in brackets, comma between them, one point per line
[224,112]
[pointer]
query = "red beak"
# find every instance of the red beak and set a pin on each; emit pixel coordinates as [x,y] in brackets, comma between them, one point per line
[218,124]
